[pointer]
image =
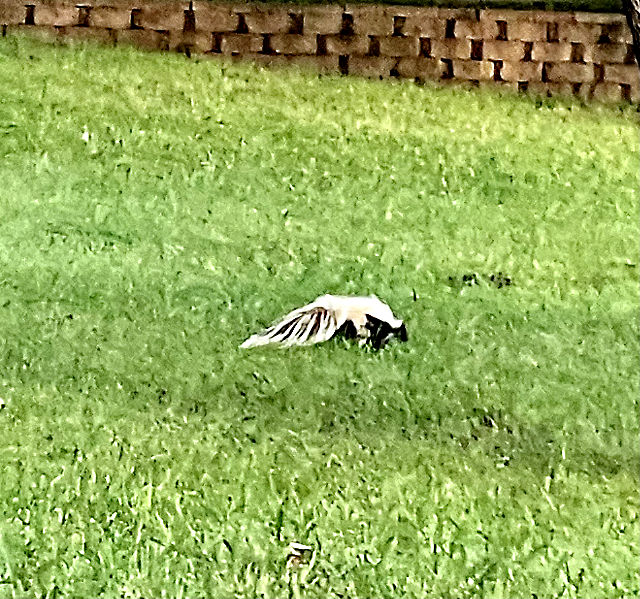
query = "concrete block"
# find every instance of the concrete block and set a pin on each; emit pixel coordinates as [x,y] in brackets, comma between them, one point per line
[607,92]
[622,73]
[504,86]
[241,43]
[84,34]
[612,53]
[44,33]
[551,51]
[375,67]
[526,30]
[521,71]
[473,69]
[599,18]
[574,31]
[550,89]
[341,45]
[421,68]
[215,18]
[425,25]
[503,50]
[472,29]
[57,15]
[113,17]
[162,17]
[276,20]
[197,42]
[323,64]
[455,13]
[451,48]
[371,20]
[617,33]
[147,39]
[291,44]
[399,46]
[322,20]
[12,12]
[571,72]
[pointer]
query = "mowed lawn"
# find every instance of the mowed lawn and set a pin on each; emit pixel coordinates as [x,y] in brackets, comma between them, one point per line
[155,211]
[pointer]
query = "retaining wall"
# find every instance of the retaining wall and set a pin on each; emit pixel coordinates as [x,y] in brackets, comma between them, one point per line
[586,54]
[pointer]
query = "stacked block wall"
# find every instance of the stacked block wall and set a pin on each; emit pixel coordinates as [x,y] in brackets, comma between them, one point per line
[588,54]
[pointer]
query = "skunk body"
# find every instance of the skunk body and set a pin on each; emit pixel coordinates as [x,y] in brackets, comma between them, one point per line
[366,318]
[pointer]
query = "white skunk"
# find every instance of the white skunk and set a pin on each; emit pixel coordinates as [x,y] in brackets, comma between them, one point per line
[367,318]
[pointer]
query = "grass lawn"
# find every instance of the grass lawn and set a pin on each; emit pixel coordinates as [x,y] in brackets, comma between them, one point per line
[157,210]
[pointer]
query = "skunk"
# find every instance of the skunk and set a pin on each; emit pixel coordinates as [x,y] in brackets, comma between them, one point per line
[366,318]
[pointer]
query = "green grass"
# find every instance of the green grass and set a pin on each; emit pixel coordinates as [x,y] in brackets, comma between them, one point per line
[156,211]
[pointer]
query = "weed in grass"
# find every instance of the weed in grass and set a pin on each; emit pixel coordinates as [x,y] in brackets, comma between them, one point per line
[156,211]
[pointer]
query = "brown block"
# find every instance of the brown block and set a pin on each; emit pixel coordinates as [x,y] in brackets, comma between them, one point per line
[521,71]
[507,86]
[489,24]
[371,20]
[57,15]
[198,42]
[268,21]
[600,18]
[162,17]
[572,72]
[451,48]
[324,64]
[472,69]
[573,31]
[526,30]
[371,66]
[287,43]
[425,25]
[114,17]
[616,53]
[549,16]
[265,60]
[353,44]
[399,46]
[46,34]
[421,68]
[503,14]
[146,39]
[501,50]
[550,89]
[582,90]
[322,20]
[240,43]
[470,28]
[83,34]
[622,73]
[214,18]
[618,33]
[455,13]
[430,12]
[12,12]
[607,92]
[551,51]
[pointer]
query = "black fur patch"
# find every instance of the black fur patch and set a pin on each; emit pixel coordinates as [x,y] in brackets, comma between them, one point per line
[348,329]
[382,332]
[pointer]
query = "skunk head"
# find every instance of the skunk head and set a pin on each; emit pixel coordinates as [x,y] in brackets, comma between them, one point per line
[381,332]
